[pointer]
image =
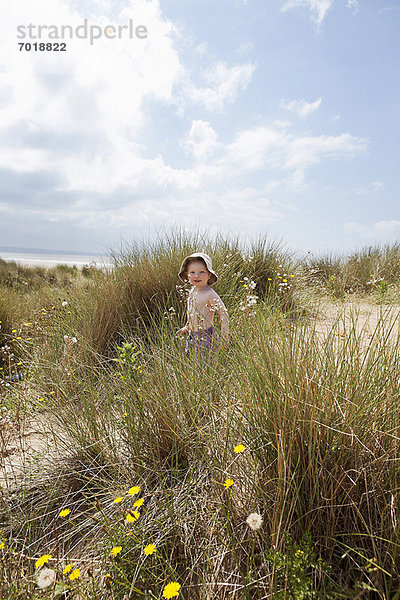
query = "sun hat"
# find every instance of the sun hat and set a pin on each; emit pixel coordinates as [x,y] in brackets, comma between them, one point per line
[182,271]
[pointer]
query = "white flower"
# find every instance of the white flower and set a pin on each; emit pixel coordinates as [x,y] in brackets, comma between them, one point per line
[64,303]
[74,340]
[254,521]
[65,337]
[45,578]
[251,300]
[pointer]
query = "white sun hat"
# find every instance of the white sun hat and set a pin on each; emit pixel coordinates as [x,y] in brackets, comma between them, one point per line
[182,271]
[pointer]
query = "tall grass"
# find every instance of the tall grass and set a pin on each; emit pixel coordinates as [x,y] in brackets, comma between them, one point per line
[371,269]
[318,418]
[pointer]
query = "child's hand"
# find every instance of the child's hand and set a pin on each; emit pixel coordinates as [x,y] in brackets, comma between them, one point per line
[183,331]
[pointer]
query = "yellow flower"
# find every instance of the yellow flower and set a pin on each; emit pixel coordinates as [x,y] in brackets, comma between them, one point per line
[171,590]
[118,500]
[2,545]
[228,483]
[149,549]
[52,392]
[239,448]
[64,513]
[116,550]
[41,399]
[134,490]
[42,560]
[67,569]
[138,503]
[75,574]
[132,516]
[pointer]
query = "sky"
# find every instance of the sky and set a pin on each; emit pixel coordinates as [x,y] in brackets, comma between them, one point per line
[245,117]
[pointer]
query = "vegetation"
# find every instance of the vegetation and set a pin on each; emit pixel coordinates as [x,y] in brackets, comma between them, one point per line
[271,471]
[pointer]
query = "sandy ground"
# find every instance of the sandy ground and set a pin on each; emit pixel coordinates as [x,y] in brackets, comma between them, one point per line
[366,318]
[20,442]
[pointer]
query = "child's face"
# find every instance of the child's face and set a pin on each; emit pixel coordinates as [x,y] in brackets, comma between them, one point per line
[197,274]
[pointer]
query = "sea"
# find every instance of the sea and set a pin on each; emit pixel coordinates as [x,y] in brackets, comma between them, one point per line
[43,258]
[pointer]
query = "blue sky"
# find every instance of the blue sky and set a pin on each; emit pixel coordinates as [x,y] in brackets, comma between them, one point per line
[241,116]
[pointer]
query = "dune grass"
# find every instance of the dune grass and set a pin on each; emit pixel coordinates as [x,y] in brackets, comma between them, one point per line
[298,429]
[373,270]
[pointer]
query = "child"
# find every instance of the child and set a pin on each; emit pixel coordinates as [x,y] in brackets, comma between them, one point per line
[202,304]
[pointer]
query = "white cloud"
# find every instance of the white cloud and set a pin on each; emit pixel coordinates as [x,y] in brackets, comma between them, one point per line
[201,140]
[73,149]
[223,84]
[387,9]
[352,4]
[301,107]
[276,149]
[375,186]
[245,48]
[317,8]
[380,231]
[95,94]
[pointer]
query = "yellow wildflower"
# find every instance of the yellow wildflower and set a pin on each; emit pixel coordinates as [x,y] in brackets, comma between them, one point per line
[42,560]
[228,483]
[116,550]
[134,490]
[2,545]
[133,516]
[239,448]
[171,590]
[75,574]
[67,569]
[118,500]
[64,513]
[149,549]
[138,503]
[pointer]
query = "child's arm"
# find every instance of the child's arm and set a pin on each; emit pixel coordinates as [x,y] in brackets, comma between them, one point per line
[183,330]
[220,308]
